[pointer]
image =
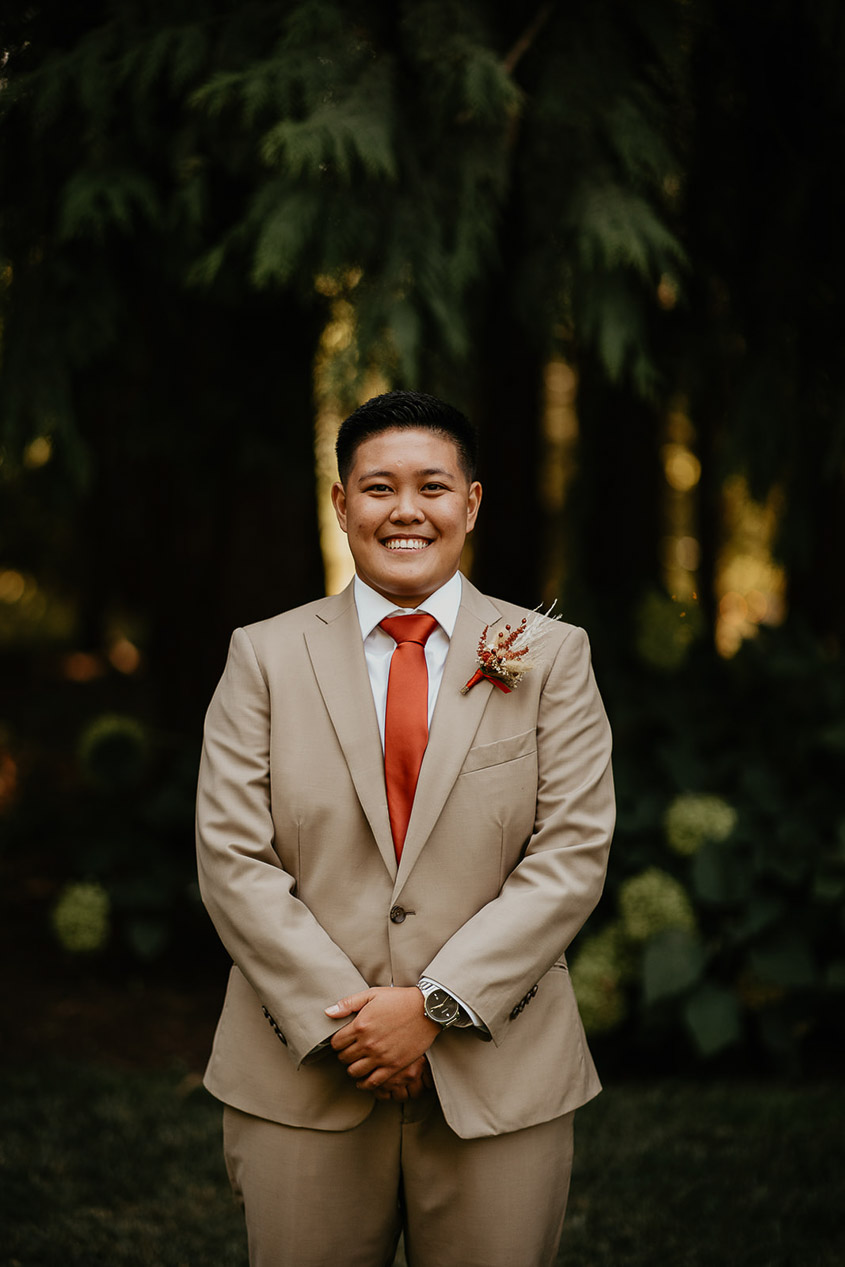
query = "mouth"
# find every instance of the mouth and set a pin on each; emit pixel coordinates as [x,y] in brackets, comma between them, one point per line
[406,544]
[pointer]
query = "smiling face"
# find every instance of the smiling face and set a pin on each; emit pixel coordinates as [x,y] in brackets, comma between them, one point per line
[406,509]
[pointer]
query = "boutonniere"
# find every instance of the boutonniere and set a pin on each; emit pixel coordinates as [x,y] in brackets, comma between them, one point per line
[505,660]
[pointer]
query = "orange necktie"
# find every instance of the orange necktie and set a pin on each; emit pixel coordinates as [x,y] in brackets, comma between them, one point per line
[406,717]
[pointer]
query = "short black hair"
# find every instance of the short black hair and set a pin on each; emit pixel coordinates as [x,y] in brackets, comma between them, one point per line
[406,411]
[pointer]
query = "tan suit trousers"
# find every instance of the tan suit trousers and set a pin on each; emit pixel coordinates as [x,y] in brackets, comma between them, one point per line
[340,1198]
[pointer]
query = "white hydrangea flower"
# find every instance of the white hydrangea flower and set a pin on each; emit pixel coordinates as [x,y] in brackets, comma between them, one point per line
[695,818]
[598,972]
[652,901]
[81,917]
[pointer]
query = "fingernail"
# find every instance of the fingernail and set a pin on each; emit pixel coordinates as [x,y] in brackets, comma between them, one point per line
[335,1007]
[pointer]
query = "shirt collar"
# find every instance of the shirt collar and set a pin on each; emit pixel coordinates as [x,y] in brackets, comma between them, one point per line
[443,605]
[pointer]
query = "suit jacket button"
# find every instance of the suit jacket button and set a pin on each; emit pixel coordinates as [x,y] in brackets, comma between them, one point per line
[397,915]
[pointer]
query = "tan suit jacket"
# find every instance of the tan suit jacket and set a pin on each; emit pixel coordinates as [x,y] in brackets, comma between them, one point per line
[504,859]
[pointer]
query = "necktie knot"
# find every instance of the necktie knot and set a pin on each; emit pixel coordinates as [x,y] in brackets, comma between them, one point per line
[416,628]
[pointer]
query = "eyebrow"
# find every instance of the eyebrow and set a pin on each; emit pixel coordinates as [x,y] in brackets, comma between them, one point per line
[426,471]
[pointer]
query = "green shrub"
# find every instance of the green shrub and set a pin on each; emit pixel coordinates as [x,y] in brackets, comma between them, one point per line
[113,751]
[666,630]
[131,809]
[727,875]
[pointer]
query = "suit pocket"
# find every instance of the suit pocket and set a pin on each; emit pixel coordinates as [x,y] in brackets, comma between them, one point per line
[490,754]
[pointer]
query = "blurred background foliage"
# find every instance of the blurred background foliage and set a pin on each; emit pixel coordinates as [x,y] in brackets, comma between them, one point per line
[613,234]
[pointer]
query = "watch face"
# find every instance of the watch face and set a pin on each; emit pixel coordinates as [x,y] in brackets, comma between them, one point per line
[441,1007]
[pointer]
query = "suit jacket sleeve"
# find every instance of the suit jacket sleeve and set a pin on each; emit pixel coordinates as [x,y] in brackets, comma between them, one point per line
[289,960]
[507,946]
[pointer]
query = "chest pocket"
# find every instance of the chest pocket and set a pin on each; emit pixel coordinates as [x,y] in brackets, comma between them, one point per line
[491,754]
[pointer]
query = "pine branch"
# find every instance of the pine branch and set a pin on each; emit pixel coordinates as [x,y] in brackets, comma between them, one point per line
[528,36]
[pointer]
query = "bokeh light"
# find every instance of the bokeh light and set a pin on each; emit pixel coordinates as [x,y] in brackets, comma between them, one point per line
[682,467]
[750,585]
[38,452]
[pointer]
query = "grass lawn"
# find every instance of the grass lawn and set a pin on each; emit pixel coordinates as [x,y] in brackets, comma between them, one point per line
[124,1169]
[723,1175]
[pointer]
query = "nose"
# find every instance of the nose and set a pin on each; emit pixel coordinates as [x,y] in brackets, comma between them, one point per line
[407,509]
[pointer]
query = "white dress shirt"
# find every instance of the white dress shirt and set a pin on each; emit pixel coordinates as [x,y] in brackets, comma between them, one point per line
[372,608]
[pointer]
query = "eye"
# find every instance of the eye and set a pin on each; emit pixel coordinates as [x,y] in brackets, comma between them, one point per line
[434,487]
[377,488]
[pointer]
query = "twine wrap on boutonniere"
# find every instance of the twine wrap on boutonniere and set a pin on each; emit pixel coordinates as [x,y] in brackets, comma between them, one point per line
[505,660]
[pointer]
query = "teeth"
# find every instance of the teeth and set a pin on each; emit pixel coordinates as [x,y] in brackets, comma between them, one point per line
[406,543]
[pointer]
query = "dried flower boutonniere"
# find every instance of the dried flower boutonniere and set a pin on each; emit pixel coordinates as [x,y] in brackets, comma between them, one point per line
[505,661]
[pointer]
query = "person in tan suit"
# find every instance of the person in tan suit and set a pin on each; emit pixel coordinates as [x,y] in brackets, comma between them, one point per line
[400,1046]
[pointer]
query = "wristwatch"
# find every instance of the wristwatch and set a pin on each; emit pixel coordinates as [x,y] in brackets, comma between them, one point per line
[441,1007]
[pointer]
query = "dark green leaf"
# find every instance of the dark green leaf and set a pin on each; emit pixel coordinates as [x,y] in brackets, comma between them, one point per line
[672,962]
[147,937]
[720,876]
[785,961]
[763,910]
[712,1016]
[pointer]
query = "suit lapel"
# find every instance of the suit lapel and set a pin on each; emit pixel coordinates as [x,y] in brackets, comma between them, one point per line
[337,655]
[453,726]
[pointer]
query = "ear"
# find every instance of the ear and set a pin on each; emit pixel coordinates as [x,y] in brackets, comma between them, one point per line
[339,503]
[473,502]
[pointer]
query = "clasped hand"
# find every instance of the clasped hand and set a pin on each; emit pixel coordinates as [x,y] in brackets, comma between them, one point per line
[384,1045]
